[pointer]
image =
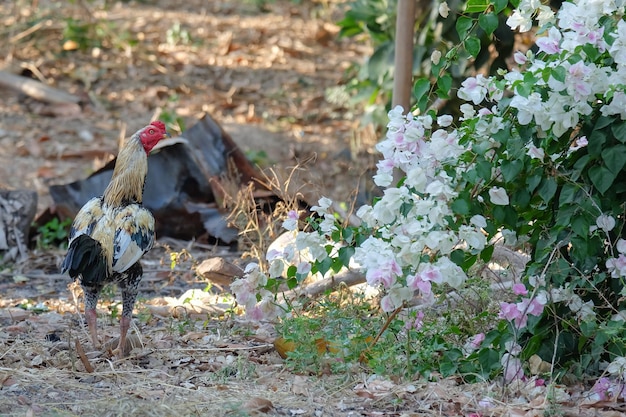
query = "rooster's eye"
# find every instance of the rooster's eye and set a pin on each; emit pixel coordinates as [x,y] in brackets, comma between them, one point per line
[151,131]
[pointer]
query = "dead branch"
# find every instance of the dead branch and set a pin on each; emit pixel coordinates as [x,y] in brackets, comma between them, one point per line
[36,89]
[346,277]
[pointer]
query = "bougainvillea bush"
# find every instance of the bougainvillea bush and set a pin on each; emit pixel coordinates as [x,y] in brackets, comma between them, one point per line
[535,160]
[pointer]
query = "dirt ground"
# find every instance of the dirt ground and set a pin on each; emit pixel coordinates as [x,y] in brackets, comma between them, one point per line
[264,76]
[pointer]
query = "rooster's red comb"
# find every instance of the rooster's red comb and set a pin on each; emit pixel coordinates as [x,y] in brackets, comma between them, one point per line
[159,125]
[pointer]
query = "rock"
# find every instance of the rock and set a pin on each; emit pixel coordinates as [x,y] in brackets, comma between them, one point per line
[219,271]
[17,211]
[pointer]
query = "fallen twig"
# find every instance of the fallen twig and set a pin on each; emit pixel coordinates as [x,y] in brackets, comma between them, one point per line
[36,89]
[83,357]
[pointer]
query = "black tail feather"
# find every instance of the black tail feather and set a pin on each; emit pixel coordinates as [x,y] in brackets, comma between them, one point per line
[85,258]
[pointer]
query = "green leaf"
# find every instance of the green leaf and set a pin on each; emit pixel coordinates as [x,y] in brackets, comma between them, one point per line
[604,121]
[579,166]
[336,265]
[486,253]
[420,91]
[511,169]
[460,206]
[601,177]
[463,25]
[533,181]
[292,283]
[524,89]
[472,46]
[596,142]
[348,234]
[619,131]
[380,62]
[322,266]
[615,158]
[477,6]
[421,87]
[568,193]
[558,73]
[291,271]
[457,256]
[345,254]
[445,85]
[499,5]
[483,168]
[580,226]
[547,189]
[488,22]
[489,359]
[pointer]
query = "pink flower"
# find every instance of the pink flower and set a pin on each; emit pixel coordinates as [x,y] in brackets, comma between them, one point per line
[291,223]
[512,368]
[550,44]
[477,340]
[535,307]
[519,289]
[601,388]
[255,313]
[508,311]
[416,323]
[581,142]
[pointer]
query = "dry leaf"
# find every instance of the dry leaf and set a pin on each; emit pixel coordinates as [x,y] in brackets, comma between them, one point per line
[283,346]
[300,385]
[258,405]
[538,366]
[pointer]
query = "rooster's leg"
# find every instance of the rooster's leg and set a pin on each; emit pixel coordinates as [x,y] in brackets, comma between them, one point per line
[91,300]
[129,296]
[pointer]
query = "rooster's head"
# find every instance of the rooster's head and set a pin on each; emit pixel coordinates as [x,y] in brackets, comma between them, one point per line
[151,134]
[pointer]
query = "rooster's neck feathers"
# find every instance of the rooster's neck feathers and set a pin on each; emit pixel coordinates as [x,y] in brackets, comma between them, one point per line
[129,175]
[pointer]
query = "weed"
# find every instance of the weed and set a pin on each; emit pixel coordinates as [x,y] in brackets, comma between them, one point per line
[173,122]
[53,233]
[177,35]
[239,368]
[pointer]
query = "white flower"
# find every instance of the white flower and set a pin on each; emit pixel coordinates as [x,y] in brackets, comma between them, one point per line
[523,21]
[467,110]
[277,266]
[621,246]
[474,238]
[324,205]
[605,222]
[520,58]
[617,367]
[479,221]
[498,196]
[452,274]
[435,57]
[535,152]
[444,120]
[444,10]
[291,222]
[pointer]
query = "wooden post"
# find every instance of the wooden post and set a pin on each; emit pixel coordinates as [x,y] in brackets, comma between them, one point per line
[403,61]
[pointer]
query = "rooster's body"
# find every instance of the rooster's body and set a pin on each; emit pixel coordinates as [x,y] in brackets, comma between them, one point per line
[112,232]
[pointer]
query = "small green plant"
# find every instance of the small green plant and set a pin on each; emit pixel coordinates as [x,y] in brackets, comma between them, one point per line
[258,157]
[54,233]
[331,336]
[177,35]
[92,34]
[173,122]
[240,368]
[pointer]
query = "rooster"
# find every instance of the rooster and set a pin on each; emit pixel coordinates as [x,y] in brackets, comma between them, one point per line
[112,232]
